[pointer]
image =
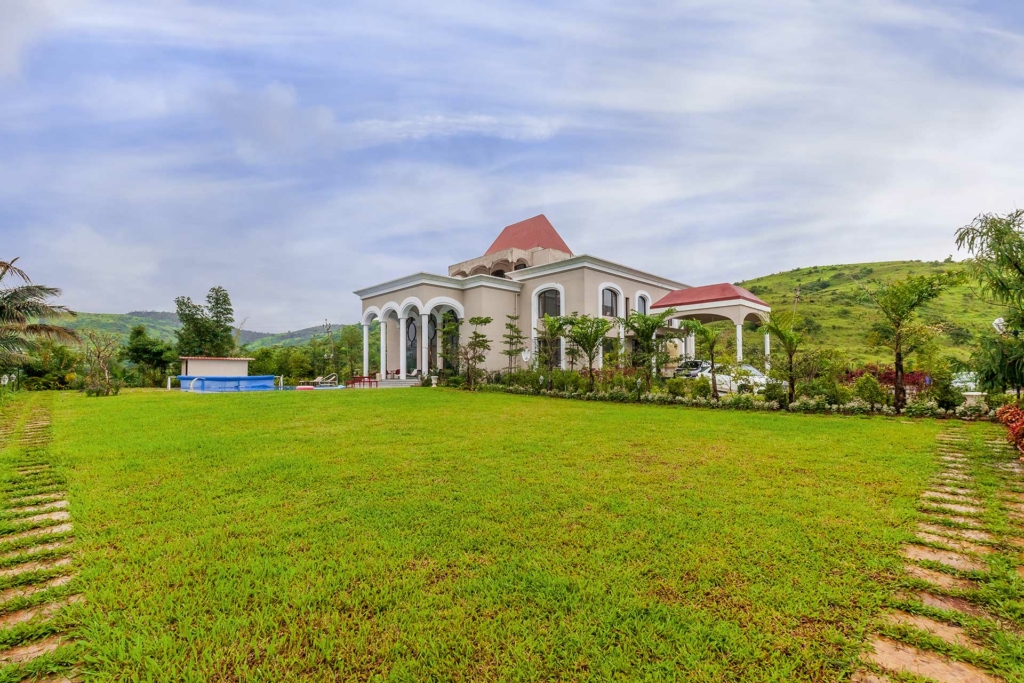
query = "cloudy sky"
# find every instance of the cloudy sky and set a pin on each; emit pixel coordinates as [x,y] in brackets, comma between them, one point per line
[295,151]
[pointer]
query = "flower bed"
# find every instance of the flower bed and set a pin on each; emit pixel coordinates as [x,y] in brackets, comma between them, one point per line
[817,405]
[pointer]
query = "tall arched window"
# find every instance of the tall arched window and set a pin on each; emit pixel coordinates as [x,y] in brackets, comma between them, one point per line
[549,302]
[610,303]
[641,305]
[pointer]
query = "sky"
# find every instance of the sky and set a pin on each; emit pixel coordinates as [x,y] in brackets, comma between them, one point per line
[294,152]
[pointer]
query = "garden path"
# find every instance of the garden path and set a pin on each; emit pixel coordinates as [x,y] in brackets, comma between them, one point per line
[36,542]
[946,625]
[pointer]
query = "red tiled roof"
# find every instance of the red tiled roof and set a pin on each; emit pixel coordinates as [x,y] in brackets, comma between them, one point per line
[705,295]
[211,358]
[529,234]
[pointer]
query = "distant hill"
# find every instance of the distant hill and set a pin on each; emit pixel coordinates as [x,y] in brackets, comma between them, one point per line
[837,314]
[162,324]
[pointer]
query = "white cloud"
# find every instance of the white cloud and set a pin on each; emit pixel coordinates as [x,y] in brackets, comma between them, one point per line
[21,22]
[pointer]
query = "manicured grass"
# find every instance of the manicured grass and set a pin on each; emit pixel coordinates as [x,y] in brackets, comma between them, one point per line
[435,535]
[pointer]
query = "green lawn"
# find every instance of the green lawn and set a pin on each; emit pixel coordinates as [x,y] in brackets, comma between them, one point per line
[435,535]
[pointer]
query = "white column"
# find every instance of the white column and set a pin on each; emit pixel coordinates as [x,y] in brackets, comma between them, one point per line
[767,352]
[739,343]
[383,348]
[691,346]
[402,343]
[600,357]
[366,350]
[563,362]
[425,344]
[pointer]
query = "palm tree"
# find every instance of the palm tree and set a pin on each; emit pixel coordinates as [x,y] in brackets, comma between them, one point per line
[24,310]
[782,326]
[709,335]
[648,347]
[588,334]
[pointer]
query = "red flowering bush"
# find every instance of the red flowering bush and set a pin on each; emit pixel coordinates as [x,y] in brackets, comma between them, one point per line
[1013,418]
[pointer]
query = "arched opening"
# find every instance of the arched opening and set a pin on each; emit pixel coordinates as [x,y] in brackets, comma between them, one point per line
[520,264]
[480,270]
[609,302]
[549,302]
[460,273]
[411,354]
[642,305]
[498,273]
[450,341]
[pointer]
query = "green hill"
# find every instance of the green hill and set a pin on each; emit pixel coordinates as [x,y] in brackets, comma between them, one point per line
[836,312]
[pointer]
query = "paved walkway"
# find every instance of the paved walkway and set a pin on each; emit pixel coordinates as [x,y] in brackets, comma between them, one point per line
[942,626]
[36,562]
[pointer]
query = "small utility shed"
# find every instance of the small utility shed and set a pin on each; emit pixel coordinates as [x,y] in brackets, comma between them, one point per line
[203,366]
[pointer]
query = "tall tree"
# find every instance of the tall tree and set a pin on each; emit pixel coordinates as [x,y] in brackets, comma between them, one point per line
[24,312]
[548,346]
[206,330]
[710,336]
[899,330]
[514,340]
[148,352]
[650,351]
[101,352]
[781,325]
[996,244]
[588,334]
[474,351]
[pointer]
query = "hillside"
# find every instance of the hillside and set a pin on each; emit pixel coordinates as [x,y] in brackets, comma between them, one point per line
[162,324]
[837,314]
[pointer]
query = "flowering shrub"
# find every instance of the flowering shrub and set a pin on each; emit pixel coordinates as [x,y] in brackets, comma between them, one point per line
[972,412]
[921,408]
[818,404]
[1013,418]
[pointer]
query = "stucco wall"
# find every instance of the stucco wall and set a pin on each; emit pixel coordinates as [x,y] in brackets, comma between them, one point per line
[215,368]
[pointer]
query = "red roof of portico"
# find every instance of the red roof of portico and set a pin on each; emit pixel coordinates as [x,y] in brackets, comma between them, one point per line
[529,234]
[706,295]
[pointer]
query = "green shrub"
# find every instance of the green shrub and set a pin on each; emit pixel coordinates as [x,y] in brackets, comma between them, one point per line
[867,389]
[700,388]
[426,381]
[922,408]
[678,386]
[996,400]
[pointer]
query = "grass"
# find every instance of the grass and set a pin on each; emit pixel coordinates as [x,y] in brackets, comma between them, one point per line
[832,297]
[433,535]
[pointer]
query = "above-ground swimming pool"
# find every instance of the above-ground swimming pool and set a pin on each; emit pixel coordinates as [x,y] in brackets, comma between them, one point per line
[225,384]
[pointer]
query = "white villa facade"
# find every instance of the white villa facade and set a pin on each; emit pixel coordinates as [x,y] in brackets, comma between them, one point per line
[529,271]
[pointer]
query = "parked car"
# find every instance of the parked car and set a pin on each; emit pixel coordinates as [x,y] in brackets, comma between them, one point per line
[690,369]
[756,380]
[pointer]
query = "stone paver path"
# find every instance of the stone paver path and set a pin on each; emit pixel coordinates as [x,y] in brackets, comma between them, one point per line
[948,563]
[35,495]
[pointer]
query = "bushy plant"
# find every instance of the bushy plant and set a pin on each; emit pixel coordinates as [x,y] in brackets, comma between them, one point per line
[678,386]
[808,404]
[972,412]
[922,408]
[738,402]
[856,407]
[996,400]
[701,388]
[868,390]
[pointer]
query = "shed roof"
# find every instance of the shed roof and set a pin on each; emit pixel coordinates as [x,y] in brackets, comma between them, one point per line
[529,234]
[705,295]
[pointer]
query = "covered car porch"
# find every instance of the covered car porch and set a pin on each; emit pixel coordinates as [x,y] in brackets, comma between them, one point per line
[712,303]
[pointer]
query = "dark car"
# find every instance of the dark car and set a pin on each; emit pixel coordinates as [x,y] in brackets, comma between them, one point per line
[691,368]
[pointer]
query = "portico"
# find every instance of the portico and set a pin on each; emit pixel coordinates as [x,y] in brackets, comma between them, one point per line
[711,303]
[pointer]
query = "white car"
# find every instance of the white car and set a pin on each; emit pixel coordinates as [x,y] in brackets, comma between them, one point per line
[756,379]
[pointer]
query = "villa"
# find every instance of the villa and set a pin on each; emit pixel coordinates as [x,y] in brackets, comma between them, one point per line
[529,271]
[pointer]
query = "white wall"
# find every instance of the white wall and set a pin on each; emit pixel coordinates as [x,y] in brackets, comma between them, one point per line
[215,368]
